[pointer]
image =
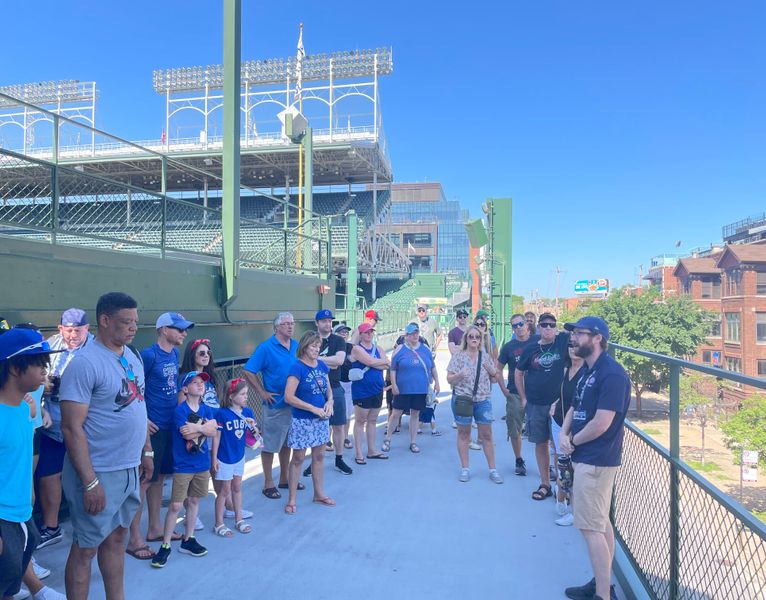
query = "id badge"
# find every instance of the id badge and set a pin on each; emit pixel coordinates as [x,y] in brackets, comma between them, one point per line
[578,415]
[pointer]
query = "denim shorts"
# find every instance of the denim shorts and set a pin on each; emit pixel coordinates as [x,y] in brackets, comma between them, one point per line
[482,413]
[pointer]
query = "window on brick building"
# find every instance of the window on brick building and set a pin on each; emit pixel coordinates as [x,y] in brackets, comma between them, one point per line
[686,287]
[760,283]
[711,287]
[734,282]
[760,327]
[761,367]
[707,357]
[732,327]
[715,328]
[734,364]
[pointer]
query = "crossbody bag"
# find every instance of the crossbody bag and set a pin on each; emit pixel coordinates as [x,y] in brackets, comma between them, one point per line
[464,404]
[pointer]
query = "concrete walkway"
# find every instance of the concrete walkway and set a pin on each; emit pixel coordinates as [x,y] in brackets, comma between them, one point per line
[405,527]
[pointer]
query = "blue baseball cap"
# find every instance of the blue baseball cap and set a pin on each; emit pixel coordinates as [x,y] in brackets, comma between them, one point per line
[323,314]
[23,342]
[172,319]
[74,317]
[191,375]
[412,328]
[595,324]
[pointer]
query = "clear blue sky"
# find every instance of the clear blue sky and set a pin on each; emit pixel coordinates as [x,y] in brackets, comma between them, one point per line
[617,130]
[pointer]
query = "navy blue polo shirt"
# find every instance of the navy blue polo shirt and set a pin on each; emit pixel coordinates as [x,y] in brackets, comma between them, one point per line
[273,361]
[606,386]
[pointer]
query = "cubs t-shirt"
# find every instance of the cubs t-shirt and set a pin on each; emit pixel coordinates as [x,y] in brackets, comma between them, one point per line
[161,384]
[183,460]
[312,386]
[510,354]
[544,365]
[232,427]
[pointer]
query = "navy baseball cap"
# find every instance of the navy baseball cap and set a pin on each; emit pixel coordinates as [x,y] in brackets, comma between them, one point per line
[191,375]
[461,312]
[172,319]
[23,342]
[74,317]
[595,324]
[323,314]
[341,327]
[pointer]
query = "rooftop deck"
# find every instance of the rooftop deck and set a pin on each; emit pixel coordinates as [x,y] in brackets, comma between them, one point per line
[404,527]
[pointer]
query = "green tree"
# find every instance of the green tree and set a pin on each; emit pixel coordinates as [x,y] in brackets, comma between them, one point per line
[746,429]
[698,399]
[674,327]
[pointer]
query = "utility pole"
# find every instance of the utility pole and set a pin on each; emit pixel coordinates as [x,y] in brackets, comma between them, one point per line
[558,272]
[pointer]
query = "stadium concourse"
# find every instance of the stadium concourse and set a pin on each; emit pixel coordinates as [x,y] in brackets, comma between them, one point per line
[402,527]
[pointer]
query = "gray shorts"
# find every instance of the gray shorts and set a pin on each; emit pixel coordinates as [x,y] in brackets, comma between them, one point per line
[346,385]
[338,406]
[19,541]
[538,423]
[121,489]
[276,426]
[514,416]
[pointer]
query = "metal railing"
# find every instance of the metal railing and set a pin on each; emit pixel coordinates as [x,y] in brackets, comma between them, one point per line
[685,538]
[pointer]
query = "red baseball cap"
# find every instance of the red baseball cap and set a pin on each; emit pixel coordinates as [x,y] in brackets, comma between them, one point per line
[372,314]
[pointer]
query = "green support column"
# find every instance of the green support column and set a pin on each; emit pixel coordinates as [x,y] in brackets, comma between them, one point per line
[351,270]
[308,202]
[55,180]
[501,218]
[232,43]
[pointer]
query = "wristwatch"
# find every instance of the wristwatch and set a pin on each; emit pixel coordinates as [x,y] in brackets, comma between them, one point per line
[149,453]
[571,441]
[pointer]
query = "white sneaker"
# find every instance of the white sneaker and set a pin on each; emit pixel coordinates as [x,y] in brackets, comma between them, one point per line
[495,476]
[229,514]
[561,508]
[40,571]
[48,594]
[464,475]
[566,520]
[474,445]
[454,425]
[22,594]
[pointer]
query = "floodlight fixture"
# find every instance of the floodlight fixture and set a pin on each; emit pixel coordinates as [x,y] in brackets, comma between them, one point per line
[48,92]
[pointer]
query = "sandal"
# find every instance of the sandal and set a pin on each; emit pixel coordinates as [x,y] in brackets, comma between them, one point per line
[243,527]
[360,461]
[414,448]
[542,492]
[378,456]
[272,493]
[386,447]
[142,553]
[290,509]
[223,531]
[327,501]
[284,486]
[347,444]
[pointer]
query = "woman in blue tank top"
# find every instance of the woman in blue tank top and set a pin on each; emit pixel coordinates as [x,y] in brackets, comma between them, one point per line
[367,392]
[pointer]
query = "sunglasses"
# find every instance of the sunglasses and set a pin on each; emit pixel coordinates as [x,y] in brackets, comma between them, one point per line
[126,367]
[203,352]
[480,324]
[548,324]
[34,346]
[518,325]
[473,337]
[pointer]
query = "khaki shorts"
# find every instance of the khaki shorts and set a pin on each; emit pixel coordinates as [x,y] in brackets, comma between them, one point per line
[189,485]
[514,416]
[592,496]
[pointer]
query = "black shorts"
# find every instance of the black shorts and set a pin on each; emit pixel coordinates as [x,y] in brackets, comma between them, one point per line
[36,442]
[51,460]
[410,401]
[375,401]
[162,445]
[17,552]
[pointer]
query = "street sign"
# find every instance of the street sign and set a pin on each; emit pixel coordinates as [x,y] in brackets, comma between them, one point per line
[750,457]
[592,286]
[750,474]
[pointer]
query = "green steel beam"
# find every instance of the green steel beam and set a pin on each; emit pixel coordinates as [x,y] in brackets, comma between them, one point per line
[675,455]
[352,261]
[501,254]
[308,201]
[232,43]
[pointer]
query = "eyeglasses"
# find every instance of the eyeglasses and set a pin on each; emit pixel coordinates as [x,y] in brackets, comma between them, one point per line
[518,325]
[548,324]
[473,337]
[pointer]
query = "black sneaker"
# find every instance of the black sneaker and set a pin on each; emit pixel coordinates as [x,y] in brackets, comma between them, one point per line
[340,465]
[328,447]
[192,547]
[521,467]
[49,536]
[307,471]
[161,558]
[587,591]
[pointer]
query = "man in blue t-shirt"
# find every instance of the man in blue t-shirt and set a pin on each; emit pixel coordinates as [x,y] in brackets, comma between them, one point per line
[592,433]
[273,359]
[161,369]
[538,377]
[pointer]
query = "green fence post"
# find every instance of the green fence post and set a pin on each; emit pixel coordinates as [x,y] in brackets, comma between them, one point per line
[675,454]
[164,205]
[55,181]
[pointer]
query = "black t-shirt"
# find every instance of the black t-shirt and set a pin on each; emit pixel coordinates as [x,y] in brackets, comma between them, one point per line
[331,345]
[346,367]
[568,388]
[544,365]
[510,354]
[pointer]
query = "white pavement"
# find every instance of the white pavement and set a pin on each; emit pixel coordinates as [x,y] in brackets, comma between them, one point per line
[405,527]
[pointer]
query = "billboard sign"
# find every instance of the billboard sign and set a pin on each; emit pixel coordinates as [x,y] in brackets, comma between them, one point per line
[592,286]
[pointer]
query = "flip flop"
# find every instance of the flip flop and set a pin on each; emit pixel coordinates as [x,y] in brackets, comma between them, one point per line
[347,444]
[360,461]
[378,456]
[327,501]
[271,493]
[414,448]
[284,486]
[144,548]
[290,509]
[173,538]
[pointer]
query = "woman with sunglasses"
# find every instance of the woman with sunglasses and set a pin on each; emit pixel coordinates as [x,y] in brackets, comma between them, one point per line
[488,338]
[461,374]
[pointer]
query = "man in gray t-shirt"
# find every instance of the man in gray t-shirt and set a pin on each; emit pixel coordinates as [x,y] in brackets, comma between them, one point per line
[103,419]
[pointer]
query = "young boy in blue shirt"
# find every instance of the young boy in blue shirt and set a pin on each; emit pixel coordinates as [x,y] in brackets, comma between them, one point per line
[194,424]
